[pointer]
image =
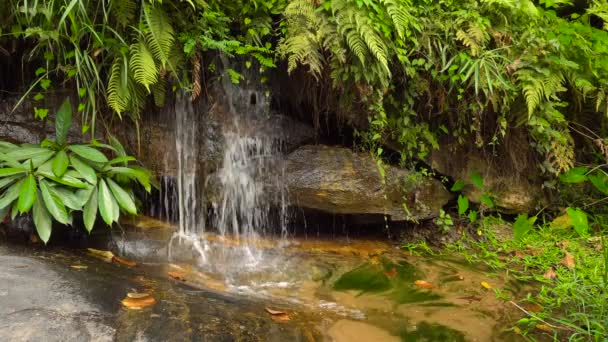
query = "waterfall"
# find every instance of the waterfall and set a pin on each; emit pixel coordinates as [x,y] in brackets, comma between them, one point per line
[251,198]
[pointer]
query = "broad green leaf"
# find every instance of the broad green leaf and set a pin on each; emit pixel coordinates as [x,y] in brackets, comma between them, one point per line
[27,196]
[579,221]
[42,220]
[11,194]
[67,179]
[63,121]
[3,213]
[107,203]
[53,203]
[6,181]
[87,172]
[120,150]
[38,159]
[23,153]
[89,153]
[60,163]
[463,205]
[472,216]
[9,161]
[122,197]
[599,181]
[90,210]
[458,185]
[522,226]
[124,159]
[7,146]
[485,199]
[476,179]
[11,172]
[574,175]
[135,174]
[69,197]
[14,211]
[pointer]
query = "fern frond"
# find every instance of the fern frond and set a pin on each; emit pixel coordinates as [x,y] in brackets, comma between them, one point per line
[159,92]
[119,97]
[124,11]
[160,35]
[373,40]
[142,65]
[399,15]
[532,87]
[301,49]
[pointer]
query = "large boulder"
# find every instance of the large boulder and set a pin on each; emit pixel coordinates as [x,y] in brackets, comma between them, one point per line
[337,180]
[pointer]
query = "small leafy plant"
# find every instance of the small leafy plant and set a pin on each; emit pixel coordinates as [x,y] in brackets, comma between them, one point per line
[54,180]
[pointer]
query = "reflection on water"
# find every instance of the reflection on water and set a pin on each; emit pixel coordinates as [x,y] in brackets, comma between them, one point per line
[345,287]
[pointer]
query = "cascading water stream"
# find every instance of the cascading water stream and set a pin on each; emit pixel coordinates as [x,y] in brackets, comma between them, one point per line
[251,199]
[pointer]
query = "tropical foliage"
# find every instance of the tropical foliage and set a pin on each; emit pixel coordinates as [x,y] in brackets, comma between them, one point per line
[55,179]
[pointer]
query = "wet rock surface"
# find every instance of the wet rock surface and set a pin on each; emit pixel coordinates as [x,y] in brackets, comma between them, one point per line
[43,297]
[38,304]
[337,180]
[515,188]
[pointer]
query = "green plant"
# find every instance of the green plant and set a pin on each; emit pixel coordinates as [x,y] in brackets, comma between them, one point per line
[444,221]
[56,179]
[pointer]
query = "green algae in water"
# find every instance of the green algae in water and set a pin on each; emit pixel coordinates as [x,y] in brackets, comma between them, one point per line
[427,332]
[396,279]
[365,278]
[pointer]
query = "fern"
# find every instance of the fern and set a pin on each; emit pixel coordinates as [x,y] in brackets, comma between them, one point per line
[119,97]
[159,34]
[142,65]
[124,11]
[473,38]
[399,15]
[532,87]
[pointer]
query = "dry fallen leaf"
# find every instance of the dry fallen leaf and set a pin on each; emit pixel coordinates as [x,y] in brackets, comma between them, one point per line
[123,261]
[424,284]
[177,275]
[105,255]
[275,312]
[79,267]
[533,308]
[486,285]
[280,318]
[550,274]
[544,327]
[568,261]
[137,295]
[278,315]
[138,303]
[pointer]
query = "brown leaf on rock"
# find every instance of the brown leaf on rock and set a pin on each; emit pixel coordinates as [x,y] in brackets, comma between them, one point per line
[137,295]
[79,267]
[568,261]
[180,276]
[424,284]
[138,303]
[533,308]
[123,261]
[550,274]
[106,256]
[275,312]
[281,318]
[278,315]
